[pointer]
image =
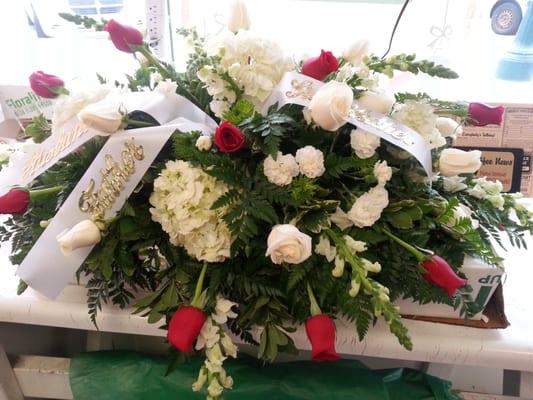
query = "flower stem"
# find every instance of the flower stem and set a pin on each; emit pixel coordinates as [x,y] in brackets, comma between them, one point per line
[315,309]
[414,251]
[38,193]
[145,51]
[197,299]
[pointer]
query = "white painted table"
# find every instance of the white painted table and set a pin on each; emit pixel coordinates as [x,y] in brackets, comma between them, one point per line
[510,348]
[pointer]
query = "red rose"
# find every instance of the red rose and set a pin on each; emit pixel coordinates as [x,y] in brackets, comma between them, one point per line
[483,114]
[184,327]
[439,273]
[320,330]
[46,85]
[229,138]
[15,202]
[125,38]
[321,66]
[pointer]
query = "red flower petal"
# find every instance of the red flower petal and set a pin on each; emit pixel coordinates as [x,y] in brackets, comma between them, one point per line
[321,66]
[184,327]
[125,38]
[483,114]
[40,83]
[439,273]
[14,202]
[320,330]
[229,138]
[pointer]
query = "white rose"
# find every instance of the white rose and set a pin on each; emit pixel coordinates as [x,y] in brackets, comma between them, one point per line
[282,170]
[204,143]
[331,104]
[454,162]
[378,102]
[382,172]
[238,17]
[367,208]
[310,161]
[449,127]
[461,212]
[355,53]
[454,184]
[104,116]
[287,244]
[364,143]
[83,234]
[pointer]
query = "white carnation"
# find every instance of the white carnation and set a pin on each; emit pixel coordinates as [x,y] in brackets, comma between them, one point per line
[310,161]
[282,170]
[364,143]
[382,172]
[419,116]
[367,208]
[182,200]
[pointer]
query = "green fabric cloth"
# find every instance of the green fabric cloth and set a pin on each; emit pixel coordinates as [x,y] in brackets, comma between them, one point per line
[134,376]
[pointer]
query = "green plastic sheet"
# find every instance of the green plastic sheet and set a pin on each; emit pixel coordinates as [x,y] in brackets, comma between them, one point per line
[135,376]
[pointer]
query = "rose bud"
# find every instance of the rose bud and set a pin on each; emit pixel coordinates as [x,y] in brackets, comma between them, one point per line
[46,85]
[439,273]
[320,330]
[238,17]
[321,66]
[482,114]
[125,38]
[83,234]
[104,116]
[229,138]
[15,202]
[184,327]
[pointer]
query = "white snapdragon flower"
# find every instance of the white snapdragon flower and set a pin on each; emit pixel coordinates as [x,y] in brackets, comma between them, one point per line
[488,190]
[356,246]
[230,349]
[223,310]
[209,335]
[215,359]
[200,381]
[166,87]
[382,172]
[367,208]
[338,270]
[282,170]
[324,248]
[5,153]
[341,219]
[364,143]
[310,161]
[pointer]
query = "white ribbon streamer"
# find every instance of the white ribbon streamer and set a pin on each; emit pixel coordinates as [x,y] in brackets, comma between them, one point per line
[296,88]
[45,268]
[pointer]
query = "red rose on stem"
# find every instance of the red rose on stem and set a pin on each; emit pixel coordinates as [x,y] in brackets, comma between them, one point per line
[125,38]
[15,202]
[184,327]
[229,138]
[46,85]
[321,66]
[439,273]
[483,114]
[320,330]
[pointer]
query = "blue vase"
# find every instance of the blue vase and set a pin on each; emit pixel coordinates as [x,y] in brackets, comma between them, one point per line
[517,64]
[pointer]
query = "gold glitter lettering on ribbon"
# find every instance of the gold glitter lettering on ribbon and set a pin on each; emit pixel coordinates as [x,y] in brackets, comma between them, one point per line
[383,123]
[301,89]
[114,177]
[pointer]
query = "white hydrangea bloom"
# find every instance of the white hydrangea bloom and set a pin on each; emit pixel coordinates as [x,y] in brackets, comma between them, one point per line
[255,64]
[311,161]
[367,208]
[364,143]
[182,200]
[282,170]
[419,116]
[382,172]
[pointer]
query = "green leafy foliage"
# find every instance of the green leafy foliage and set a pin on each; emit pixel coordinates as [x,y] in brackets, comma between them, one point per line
[39,129]
[408,62]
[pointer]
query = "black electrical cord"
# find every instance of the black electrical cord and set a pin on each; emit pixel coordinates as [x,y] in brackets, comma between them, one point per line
[395,27]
